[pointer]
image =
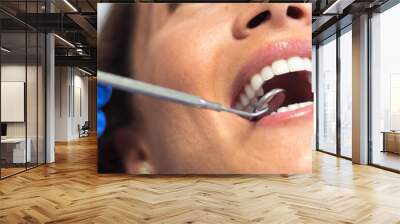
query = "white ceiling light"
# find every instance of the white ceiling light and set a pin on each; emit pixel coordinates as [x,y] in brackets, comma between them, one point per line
[70,5]
[337,7]
[5,50]
[65,41]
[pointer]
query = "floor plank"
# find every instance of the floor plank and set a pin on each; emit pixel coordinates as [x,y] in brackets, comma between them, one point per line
[71,191]
[387,159]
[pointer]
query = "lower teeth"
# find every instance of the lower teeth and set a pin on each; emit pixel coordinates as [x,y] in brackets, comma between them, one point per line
[292,107]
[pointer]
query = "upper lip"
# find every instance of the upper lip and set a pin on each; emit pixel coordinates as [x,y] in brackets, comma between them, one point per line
[265,56]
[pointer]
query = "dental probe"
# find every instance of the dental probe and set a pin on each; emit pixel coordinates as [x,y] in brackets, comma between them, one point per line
[269,103]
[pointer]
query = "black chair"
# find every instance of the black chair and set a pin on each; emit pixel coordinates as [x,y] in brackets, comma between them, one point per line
[84,130]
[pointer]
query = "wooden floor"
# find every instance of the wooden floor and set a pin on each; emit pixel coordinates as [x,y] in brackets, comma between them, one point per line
[70,191]
[5,172]
[10,171]
[387,159]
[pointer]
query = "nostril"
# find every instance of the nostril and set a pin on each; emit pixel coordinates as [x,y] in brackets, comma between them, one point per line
[257,20]
[294,12]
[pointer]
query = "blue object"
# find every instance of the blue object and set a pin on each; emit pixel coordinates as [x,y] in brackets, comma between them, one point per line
[103,96]
[101,122]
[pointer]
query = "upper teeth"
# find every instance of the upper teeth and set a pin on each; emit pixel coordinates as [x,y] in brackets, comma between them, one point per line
[279,67]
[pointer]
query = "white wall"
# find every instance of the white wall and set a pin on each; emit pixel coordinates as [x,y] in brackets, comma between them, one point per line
[71,94]
[80,110]
[33,127]
[82,83]
[62,80]
[13,101]
[12,73]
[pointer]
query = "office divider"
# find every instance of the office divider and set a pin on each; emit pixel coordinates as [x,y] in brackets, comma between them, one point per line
[22,77]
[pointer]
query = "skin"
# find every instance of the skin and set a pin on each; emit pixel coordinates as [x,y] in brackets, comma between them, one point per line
[199,49]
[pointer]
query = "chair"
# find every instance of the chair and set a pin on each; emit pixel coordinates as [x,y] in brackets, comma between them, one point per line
[84,130]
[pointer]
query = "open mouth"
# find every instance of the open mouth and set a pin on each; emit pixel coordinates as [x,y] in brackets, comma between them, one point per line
[292,74]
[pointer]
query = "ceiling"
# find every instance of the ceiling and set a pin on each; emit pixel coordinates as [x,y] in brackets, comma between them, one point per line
[332,15]
[72,20]
[76,22]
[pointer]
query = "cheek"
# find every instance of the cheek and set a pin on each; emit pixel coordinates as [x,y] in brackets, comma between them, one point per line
[279,149]
[182,61]
[186,59]
[177,136]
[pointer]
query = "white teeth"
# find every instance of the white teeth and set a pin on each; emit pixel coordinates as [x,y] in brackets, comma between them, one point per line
[306,104]
[296,64]
[253,90]
[244,100]
[280,67]
[308,67]
[282,109]
[266,73]
[249,91]
[307,64]
[260,92]
[293,107]
[256,82]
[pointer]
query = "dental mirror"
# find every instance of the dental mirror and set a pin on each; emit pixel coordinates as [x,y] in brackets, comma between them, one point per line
[272,100]
[265,106]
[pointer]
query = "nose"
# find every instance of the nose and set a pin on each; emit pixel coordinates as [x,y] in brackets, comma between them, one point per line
[275,15]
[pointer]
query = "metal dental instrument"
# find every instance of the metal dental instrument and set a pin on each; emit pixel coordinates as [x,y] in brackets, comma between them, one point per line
[273,100]
[269,103]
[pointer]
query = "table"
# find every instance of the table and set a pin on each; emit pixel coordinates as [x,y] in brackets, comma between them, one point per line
[13,150]
[391,141]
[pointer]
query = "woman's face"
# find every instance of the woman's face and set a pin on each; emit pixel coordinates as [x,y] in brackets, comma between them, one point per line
[215,51]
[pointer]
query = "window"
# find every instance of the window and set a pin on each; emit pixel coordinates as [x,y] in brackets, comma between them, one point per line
[327,96]
[385,89]
[346,92]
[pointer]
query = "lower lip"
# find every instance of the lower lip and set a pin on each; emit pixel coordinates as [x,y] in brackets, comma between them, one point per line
[282,117]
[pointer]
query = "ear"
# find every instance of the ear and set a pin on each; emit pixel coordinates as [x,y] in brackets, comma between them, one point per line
[131,149]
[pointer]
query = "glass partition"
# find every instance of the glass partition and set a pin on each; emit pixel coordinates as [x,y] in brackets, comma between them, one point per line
[41,88]
[14,153]
[327,96]
[346,93]
[32,88]
[22,101]
[385,89]
[31,99]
